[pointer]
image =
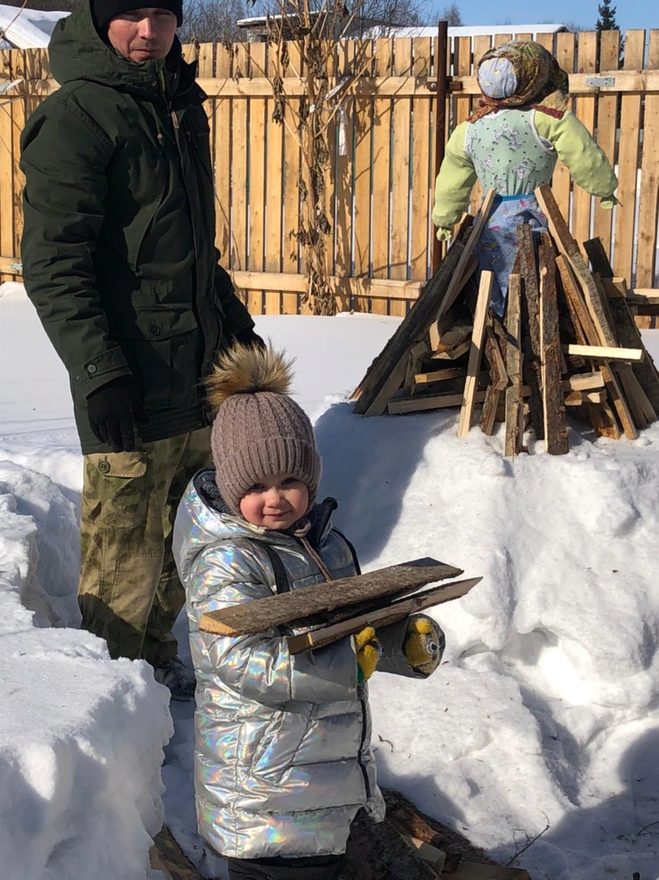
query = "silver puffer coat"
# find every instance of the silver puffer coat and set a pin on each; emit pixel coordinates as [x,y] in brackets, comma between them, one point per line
[283,759]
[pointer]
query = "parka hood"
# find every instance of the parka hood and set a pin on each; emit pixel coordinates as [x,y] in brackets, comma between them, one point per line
[78,52]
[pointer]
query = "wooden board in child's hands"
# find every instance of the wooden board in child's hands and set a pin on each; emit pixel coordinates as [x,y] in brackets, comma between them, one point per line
[263,615]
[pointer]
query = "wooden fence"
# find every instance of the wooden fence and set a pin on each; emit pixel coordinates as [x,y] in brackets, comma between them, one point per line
[382,148]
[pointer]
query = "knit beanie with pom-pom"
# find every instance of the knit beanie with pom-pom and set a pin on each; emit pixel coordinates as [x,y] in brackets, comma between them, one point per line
[258,430]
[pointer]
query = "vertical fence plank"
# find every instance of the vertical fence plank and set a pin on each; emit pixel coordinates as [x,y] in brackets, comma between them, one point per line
[239,174]
[18,116]
[546,40]
[222,157]
[362,182]
[256,129]
[585,110]
[344,171]
[630,120]
[607,116]
[7,178]
[381,220]
[329,176]
[646,270]
[422,178]
[565,52]
[400,177]
[274,150]
[291,193]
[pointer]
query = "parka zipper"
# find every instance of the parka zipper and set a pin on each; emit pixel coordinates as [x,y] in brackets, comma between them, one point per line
[327,574]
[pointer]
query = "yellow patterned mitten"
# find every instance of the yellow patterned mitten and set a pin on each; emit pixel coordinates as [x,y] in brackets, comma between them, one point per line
[367,649]
[423,644]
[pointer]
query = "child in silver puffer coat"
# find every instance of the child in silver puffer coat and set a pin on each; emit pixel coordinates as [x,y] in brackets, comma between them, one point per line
[283,760]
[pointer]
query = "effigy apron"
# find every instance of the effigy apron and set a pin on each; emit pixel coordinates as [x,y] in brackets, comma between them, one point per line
[497,247]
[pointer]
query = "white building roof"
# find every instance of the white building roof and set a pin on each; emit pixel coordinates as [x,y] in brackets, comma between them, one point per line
[26,28]
[475,31]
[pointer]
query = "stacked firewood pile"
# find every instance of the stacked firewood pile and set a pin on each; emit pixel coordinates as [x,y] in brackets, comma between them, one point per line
[568,341]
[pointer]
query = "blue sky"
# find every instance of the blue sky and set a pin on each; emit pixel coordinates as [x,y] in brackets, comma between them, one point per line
[629,13]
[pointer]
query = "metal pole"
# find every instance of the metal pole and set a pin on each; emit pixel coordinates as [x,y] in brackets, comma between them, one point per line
[441,64]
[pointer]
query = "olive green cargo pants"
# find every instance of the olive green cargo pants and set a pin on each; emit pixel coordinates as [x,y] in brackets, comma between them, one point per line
[129,592]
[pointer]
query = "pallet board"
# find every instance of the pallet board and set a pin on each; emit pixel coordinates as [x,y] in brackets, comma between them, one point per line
[263,615]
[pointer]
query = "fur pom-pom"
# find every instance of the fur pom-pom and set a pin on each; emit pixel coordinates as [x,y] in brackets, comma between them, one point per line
[244,369]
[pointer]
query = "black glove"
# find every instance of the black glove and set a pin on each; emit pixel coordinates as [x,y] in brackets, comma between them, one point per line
[250,338]
[113,412]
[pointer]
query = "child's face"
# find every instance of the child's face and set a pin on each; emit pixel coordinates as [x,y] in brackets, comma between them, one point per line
[276,502]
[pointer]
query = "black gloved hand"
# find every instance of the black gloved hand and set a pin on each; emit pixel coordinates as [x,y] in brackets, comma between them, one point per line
[250,338]
[113,412]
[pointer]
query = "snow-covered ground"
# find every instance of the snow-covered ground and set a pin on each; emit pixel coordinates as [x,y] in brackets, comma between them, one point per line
[539,733]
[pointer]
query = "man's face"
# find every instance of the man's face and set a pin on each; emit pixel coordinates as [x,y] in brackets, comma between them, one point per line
[143,34]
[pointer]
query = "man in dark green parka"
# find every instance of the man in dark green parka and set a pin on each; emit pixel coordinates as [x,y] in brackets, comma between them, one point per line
[119,260]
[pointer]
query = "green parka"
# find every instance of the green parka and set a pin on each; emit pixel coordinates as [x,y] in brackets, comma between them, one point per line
[118,243]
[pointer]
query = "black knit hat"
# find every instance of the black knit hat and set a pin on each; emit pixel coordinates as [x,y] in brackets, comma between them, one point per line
[104,10]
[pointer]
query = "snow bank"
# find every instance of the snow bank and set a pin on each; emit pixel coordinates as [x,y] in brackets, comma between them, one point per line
[543,719]
[81,736]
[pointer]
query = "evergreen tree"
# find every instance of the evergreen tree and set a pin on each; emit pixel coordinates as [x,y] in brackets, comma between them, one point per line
[607,16]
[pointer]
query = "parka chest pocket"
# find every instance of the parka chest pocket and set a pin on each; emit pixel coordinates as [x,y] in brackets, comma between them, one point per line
[162,345]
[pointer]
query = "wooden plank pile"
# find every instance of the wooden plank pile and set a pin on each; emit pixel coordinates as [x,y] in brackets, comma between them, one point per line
[568,340]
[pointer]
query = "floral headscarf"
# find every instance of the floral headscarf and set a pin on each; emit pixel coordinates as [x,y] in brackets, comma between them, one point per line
[518,74]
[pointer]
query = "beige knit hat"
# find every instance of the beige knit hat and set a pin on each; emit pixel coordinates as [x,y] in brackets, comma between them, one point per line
[258,430]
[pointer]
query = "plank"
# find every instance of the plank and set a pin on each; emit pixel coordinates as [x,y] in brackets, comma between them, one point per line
[239,168]
[290,302]
[513,400]
[262,615]
[603,352]
[628,155]
[581,320]
[604,421]
[273,135]
[362,187]
[476,230]
[627,331]
[400,166]
[498,382]
[564,53]
[411,329]
[475,352]
[585,109]
[596,304]
[454,353]
[440,375]
[607,112]
[381,170]
[405,406]
[530,303]
[380,617]
[422,178]
[578,398]
[222,158]
[454,336]
[256,169]
[416,357]
[166,855]
[556,439]
[585,381]
[649,186]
